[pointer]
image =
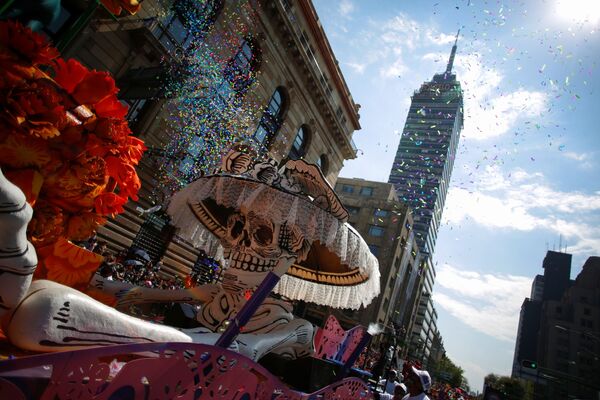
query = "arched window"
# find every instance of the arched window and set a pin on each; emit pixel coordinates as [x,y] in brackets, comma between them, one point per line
[240,70]
[323,164]
[300,144]
[272,118]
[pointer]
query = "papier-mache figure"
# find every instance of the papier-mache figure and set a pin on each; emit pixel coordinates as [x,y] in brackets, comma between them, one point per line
[268,219]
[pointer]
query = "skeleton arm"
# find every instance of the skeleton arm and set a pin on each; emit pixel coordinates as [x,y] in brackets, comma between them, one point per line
[128,294]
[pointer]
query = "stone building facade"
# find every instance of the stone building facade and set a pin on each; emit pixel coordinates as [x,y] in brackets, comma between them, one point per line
[386,225]
[270,58]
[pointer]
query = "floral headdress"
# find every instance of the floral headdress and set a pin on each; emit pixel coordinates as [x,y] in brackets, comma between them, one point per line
[65,142]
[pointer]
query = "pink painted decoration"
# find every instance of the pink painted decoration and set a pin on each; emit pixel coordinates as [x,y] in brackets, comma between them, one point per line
[156,371]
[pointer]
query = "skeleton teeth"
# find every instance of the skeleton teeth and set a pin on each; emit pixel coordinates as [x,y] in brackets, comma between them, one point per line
[245,266]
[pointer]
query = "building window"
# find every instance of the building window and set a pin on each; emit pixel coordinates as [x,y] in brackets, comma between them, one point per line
[192,158]
[366,191]
[374,250]
[272,118]
[376,231]
[353,210]
[586,311]
[300,143]
[323,164]
[347,189]
[381,213]
[198,16]
[154,235]
[241,69]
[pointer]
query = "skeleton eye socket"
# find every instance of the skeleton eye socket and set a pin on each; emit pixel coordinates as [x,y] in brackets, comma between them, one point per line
[236,227]
[263,235]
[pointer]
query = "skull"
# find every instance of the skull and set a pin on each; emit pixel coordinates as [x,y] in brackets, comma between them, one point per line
[254,243]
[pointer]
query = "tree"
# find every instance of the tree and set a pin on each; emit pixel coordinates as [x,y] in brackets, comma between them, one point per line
[450,372]
[512,388]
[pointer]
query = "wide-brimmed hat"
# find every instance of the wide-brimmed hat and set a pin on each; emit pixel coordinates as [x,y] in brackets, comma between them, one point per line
[338,271]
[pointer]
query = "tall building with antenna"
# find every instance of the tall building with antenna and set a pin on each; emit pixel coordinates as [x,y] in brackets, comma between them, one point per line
[425,155]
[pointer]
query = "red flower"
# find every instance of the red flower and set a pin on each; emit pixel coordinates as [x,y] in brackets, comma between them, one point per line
[94,87]
[111,107]
[47,224]
[133,150]
[26,43]
[87,87]
[83,225]
[67,263]
[125,175]
[109,204]
[96,146]
[112,129]
[37,108]
[69,73]
[116,6]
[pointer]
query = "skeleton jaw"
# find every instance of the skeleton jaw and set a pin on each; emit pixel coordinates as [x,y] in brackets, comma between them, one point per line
[249,262]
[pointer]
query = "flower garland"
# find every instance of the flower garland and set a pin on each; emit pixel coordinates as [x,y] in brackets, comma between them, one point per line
[65,142]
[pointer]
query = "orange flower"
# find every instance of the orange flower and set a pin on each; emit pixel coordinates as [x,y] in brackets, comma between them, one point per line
[125,176]
[82,226]
[75,186]
[132,150]
[69,264]
[47,224]
[69,74]
[116,6]
[36,108]
[101,296]
[29,181]
[96,147]
[86,86]
[19,151]
[111,107]
[112,129]
[109,204]
[30,45]
[94,87]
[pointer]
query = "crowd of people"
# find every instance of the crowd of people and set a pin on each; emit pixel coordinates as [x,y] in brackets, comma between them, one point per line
[132,266]
[414,383]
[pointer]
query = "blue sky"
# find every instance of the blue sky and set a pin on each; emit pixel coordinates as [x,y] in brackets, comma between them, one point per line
[527,172]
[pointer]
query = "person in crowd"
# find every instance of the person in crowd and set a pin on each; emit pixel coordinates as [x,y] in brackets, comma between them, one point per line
[399,393]
[390,382]
[418,383]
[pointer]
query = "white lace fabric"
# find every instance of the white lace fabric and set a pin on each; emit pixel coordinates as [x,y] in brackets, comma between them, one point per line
[316,224]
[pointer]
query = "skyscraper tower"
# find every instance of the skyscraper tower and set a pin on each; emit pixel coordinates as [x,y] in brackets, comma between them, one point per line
[425,155]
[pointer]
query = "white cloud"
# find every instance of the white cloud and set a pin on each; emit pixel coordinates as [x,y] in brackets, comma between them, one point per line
[577,157]
[440,38]
[585,159]
[524,201]
[488,111]
[394,70]
[346,8]
[359,68]
[489,303]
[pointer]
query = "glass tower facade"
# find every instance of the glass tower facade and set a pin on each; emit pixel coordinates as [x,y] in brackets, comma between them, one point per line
[425,155]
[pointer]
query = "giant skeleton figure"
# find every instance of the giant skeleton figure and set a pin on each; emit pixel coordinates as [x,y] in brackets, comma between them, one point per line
[239,207]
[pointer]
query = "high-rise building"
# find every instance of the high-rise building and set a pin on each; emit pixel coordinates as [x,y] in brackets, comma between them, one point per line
[558,340]
[425,155]
[386,225]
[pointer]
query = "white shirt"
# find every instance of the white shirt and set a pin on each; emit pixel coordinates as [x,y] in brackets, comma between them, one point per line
[421,396]
[389,386]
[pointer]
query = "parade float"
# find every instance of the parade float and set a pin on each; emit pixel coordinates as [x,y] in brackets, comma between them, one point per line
[67,161]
